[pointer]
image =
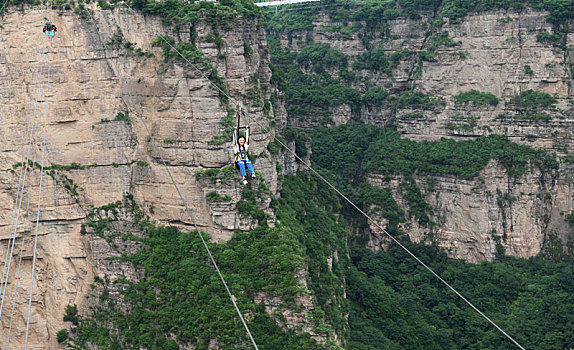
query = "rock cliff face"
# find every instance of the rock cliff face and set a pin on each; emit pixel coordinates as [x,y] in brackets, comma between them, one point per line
[105,74]
[96,79]
[473,216]
[497,52]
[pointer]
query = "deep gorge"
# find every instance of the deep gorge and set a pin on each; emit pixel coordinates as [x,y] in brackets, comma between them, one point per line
[449,123]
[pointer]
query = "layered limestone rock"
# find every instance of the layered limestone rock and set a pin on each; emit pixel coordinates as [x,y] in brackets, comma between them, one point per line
[471,217]
[488,52]
[101,90]
[496,52]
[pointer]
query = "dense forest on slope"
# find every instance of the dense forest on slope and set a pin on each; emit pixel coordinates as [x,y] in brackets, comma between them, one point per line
[395,302]
[179,300]
[529,299]
[392,302]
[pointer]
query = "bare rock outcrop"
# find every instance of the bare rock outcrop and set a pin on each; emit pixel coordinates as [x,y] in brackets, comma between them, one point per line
[475,219]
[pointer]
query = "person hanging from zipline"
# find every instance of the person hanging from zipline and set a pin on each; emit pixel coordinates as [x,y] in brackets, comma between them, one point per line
[50,29]
[241,149]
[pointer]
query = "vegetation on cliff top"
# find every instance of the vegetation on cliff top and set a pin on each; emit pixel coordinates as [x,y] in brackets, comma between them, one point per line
[221,13]
[376,12]
[361,148]
[477,97]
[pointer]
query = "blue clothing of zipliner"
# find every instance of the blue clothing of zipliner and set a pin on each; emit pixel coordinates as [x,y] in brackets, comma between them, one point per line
[242,164]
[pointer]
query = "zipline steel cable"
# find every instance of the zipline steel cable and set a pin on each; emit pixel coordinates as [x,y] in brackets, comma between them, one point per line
[28,139]
[47,91]
[21,254]
[353,204]
[25,165]
[21,186]
[26,160]
[34,254]
[188,211]
[23,239]
[25,140]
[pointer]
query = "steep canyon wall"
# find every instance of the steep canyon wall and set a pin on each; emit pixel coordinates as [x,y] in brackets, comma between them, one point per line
[501,52]
[97,77]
